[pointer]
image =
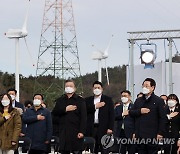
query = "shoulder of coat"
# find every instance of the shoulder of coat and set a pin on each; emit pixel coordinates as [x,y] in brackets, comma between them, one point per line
[15,112]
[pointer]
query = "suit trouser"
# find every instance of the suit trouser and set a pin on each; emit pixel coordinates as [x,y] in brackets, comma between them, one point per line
[131,148]
[147,148]
[16,152]
[6,151]
[98,146]
[33,151]
[171,148]
[68,152]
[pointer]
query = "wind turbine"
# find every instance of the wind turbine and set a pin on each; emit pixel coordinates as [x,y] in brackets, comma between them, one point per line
[99,55]
[17,34]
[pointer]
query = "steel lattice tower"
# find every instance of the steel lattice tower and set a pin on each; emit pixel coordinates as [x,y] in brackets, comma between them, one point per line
[58,58]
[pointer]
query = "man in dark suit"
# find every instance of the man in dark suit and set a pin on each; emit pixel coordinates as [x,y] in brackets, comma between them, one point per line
[150,118]
[100,116]
[125,122]
[13,92]
[20,107]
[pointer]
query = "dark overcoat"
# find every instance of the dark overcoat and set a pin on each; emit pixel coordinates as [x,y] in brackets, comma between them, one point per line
[70,123]
[153,123]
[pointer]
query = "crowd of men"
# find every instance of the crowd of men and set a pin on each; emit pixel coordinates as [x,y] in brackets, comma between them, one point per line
[148,121]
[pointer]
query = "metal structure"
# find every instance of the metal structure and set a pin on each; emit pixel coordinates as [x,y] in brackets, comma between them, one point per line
[58,58]
[151,35]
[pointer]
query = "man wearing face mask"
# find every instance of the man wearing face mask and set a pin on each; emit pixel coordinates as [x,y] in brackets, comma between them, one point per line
[125,123]
[100,116]
[20,107]
[70,109]
[39,126]
[149,118]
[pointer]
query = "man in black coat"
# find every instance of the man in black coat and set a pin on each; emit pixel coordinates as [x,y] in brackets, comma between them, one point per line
[71,110]
[100,115]
[150,118]
[125,122]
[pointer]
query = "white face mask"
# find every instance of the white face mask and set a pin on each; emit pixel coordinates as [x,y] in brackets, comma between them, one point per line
[36,102]
[97,91]
[5,102]
[171,103]
[69,90]
[145,90]
[13,97]
[124,99]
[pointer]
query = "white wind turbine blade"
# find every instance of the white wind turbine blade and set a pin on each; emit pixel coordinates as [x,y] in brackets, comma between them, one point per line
[107,74]
[105,55]
[19,33]
[24,27]
[33,64]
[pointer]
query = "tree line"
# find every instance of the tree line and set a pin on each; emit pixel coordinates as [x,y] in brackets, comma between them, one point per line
[117,77]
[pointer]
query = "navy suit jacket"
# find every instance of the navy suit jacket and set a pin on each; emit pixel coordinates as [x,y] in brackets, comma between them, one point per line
[129,123]
[19,105]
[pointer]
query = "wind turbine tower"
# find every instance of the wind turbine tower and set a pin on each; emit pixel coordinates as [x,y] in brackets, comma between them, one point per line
[16,34]
[58,52]
[99,56]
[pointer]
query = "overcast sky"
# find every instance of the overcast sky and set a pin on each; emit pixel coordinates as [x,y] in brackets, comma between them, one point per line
[95,22]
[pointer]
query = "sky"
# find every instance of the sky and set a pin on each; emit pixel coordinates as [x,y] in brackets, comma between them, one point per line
[95,22]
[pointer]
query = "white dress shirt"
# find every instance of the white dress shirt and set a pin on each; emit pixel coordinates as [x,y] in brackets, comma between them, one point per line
[96,100]
[13,103]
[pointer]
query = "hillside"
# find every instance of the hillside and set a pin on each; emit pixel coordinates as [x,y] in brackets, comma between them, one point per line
[117,77]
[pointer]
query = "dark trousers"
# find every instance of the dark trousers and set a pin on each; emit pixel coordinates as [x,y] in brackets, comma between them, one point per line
[68,152]
[171,148]
[16,152]
[131,148]
[98,145]
[147,148]
[32,151]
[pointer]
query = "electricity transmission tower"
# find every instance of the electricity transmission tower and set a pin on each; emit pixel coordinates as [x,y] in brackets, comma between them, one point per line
[58,58]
